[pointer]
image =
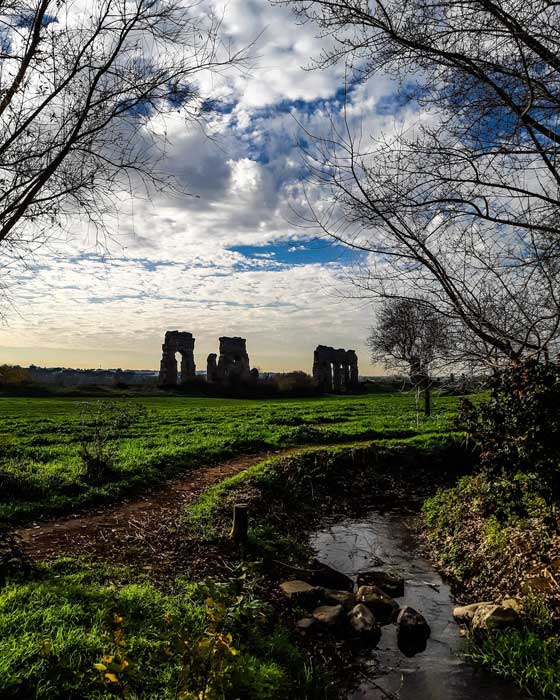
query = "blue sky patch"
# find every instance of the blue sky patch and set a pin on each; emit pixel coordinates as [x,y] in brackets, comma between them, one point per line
[27,19]
[296,252]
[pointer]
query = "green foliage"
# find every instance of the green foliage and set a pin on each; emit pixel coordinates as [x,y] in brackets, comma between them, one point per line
[484,531]
[502,501]
[13,375]
[41,440]
[518,429]
[537,610]
[523,657]
[78,632]
[14,561]
[494,528]
[296,384]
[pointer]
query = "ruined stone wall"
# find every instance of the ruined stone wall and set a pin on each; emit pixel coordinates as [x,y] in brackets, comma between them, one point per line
[177,342]
[211,368]
[233,362]
[352,360]
[335,370]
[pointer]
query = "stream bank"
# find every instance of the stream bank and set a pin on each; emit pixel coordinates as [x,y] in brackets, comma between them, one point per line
[368,497]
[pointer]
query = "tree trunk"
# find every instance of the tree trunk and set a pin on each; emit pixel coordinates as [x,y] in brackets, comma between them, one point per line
[427,401]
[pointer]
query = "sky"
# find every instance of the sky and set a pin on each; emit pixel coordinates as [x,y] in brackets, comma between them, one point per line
[230,257]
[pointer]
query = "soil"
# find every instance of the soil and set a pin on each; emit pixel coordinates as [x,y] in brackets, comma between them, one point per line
[141,531]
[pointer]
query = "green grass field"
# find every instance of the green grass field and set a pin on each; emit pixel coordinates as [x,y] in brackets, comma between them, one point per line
[105,627]
[42,473]
[99,629]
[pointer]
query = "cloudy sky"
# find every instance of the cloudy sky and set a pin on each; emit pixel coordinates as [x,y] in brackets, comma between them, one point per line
[228,260]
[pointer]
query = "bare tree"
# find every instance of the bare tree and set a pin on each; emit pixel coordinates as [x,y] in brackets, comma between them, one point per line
[81,86]
[462,203]
[409,335]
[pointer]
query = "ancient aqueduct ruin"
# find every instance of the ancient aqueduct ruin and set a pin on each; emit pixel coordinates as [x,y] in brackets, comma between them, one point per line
[233,362]
[334,370]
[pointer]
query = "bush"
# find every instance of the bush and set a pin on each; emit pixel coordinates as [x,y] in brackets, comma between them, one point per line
[486,535]
[13,375]
[296,384]
[102,425]
[518,429]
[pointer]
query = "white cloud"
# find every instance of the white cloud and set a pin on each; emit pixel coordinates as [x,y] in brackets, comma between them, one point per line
[128,304]
[170,263]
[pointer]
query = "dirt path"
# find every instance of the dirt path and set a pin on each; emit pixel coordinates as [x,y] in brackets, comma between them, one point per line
[134,528]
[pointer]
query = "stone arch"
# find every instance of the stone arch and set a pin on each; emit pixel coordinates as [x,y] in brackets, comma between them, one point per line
[335,369]
[233,362]
[177,342]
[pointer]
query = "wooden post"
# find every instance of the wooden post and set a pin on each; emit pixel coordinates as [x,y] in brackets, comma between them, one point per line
[240,522]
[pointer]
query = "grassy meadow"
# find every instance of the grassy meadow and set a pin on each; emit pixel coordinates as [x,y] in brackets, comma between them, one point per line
[97,632]
[42,438]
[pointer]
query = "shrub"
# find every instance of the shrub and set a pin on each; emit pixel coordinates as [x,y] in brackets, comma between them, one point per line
[102,425]
[486,534]
[518,429]
[296,384]
[14,375]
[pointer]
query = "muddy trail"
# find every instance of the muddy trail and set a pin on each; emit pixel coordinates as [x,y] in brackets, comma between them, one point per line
[141,527]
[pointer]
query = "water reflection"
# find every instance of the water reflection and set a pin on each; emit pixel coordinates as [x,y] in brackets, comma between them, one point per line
[411,647]
[435,672]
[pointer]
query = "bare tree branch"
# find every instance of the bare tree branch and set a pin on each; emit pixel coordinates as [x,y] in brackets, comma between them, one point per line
[461,205]
[83,88]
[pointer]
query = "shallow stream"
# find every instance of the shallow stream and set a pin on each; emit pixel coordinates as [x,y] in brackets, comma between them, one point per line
[386,541]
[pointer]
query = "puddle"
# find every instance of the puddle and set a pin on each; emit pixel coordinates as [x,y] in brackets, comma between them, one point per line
[385,540]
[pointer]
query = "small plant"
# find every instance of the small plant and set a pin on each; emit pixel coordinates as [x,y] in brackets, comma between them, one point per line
[523,657]
[207,661]
[112,666]
[13,558]
[102,423]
